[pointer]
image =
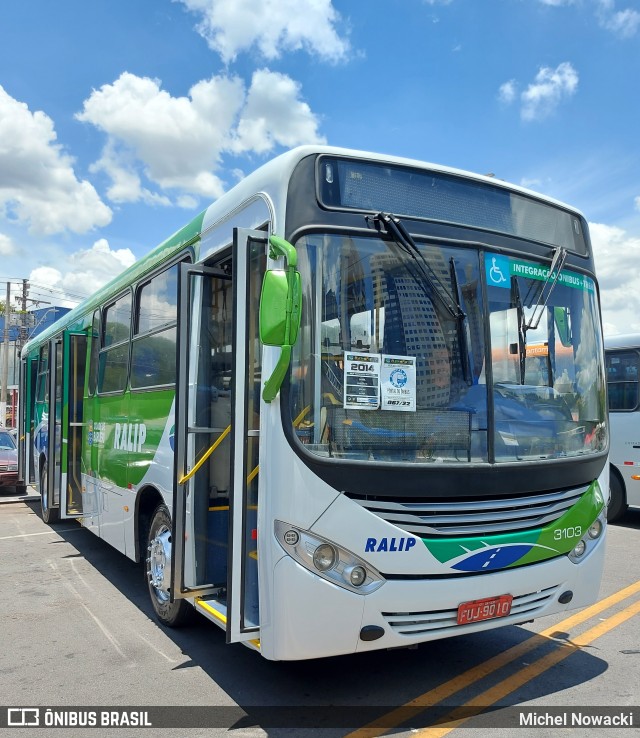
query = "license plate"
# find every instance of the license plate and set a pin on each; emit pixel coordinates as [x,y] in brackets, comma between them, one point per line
[477,610]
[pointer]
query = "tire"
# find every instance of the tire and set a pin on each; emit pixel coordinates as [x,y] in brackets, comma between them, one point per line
[49,514]
[158,572]
[618,501]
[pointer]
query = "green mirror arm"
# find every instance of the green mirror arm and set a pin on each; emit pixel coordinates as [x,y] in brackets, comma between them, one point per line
[272,385]
[279,247]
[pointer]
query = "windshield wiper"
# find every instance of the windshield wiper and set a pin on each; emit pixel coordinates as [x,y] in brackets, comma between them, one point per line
[559,256]
[402,237]
[522,328]
[460,324]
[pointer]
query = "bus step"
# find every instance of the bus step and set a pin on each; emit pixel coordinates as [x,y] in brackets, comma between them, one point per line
[213,609]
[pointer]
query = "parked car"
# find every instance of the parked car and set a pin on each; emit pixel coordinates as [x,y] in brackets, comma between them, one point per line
[8,460]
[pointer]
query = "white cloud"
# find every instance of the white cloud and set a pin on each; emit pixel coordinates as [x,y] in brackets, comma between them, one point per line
[274,26]
[126,185]
[549,88]
[531,183]
[84,272]
[38,186]
[637,203]
[7,247]
[187,202]
[179,141]
[507,92]
[623,23]
[46,276]
[618,278]
[274,114]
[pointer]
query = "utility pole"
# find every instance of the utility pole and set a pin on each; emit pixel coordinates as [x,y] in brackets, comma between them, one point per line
[23,318]
[5,357]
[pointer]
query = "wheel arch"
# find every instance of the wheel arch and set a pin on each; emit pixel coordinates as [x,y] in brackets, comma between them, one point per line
[148,499]
[615,472]
[618,502]
[42,460]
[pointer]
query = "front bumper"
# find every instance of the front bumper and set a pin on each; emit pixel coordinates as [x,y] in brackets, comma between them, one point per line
[314,618]
[8,479]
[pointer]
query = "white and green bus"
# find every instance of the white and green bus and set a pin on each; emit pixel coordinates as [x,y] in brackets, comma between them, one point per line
[622,356]
[357,403]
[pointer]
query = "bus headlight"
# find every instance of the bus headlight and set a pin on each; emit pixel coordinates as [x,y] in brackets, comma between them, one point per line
[357,575]
[328,560]
[579,549]
[325,557]
[595,530]
[589,540]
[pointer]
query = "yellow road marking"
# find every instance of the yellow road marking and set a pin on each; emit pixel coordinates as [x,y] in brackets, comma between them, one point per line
[515,681]
[449,688]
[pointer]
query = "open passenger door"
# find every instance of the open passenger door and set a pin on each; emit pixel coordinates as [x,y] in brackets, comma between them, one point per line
[63,480]
[217,432]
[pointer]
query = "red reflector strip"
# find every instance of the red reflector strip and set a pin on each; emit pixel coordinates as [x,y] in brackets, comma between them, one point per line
[254,534]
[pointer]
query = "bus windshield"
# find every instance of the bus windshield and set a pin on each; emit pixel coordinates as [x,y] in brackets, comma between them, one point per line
[384,371]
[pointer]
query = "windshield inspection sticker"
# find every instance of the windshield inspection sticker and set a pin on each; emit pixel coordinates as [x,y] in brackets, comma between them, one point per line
[398,383]
[361,381]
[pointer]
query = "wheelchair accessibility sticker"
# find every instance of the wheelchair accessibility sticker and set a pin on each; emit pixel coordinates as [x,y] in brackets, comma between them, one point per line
[498,272]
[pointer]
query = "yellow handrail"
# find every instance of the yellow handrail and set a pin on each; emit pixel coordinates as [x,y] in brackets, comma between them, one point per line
[208,453]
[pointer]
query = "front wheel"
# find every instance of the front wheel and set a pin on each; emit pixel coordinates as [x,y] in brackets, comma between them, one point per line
[158,572]
[618,501]
[49,514]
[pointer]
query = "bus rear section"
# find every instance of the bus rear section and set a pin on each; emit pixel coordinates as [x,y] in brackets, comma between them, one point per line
[623,365]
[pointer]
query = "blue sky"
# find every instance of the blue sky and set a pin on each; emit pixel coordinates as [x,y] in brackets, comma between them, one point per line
[121,120]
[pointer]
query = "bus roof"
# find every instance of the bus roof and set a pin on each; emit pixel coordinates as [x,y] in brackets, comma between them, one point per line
[271,179]
[622,340]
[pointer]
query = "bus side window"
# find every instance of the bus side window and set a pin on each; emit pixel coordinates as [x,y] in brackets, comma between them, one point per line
[622,380]
[95,352]
[42,392]
[154,349]
[114,356]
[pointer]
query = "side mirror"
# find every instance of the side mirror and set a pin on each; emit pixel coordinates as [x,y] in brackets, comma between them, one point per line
[280,305]
[275,330]
[563,325]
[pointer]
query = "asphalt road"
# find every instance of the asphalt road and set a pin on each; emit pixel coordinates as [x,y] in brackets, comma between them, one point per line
[77,630]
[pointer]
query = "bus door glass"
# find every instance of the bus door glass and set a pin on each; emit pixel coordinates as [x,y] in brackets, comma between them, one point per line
[250,264]
[27,457]
[75,355]
[54,455]
[217,434]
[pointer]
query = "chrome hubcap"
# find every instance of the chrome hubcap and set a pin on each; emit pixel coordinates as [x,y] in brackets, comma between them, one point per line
[44,492]
[159,563]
